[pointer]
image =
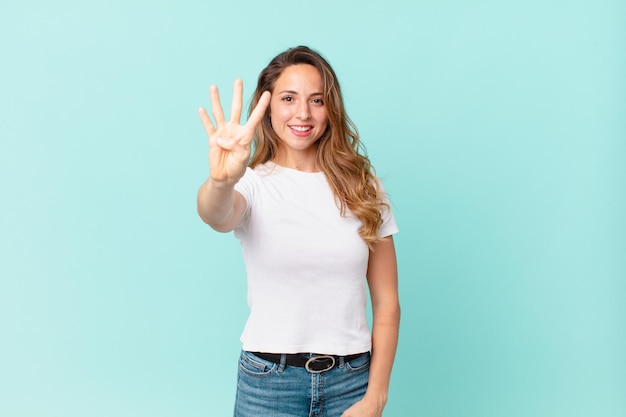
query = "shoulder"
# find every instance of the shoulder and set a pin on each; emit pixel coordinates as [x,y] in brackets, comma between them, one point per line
[380,189]
[251,176]
[389,225]
[254,180]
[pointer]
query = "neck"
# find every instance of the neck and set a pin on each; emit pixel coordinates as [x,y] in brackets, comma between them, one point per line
[301,161]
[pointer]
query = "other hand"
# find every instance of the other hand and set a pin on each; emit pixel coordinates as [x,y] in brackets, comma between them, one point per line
[364,409]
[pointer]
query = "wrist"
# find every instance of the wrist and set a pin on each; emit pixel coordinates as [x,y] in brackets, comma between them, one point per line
[222,183]
[376,399]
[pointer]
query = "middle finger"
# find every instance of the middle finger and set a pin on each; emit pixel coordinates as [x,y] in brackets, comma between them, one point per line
[235,111]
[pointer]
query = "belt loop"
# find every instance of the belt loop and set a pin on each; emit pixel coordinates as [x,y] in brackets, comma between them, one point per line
[341,361]
[283,361]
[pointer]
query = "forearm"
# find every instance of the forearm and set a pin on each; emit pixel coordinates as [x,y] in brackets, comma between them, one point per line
[216,203]
[384,343]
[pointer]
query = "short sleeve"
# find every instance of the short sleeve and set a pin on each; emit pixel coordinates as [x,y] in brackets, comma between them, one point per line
[246,187]
[389,226]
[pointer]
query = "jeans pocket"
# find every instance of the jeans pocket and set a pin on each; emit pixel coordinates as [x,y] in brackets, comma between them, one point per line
[359,364]
[251,365]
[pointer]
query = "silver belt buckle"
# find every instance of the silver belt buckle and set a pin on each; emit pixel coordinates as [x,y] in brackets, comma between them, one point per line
[315,358]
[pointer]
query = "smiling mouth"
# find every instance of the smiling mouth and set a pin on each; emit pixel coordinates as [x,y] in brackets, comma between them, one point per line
[301,128]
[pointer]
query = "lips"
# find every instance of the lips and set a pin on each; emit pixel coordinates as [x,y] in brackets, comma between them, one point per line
[301,130]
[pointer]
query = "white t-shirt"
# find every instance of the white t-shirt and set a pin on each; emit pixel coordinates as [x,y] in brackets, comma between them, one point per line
[306,265]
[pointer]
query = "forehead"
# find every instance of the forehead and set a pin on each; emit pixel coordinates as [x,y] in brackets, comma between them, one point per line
[300,77]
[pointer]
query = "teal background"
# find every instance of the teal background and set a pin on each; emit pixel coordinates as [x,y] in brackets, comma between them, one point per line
[498,128]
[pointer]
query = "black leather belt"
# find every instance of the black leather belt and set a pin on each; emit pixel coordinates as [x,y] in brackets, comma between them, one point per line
[314,364]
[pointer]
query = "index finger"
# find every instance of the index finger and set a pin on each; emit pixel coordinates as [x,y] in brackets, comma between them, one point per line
[259,111]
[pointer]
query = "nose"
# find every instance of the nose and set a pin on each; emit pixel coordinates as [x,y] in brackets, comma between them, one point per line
[303,111]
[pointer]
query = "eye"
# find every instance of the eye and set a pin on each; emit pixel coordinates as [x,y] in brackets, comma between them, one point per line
[287,98]
[318,101]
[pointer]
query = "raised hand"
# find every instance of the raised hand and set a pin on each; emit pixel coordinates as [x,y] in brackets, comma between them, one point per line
[229,142]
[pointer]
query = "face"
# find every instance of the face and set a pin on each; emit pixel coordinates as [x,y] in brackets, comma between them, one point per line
[297,109]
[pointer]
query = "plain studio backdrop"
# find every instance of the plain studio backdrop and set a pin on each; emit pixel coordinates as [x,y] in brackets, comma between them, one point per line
[498,127]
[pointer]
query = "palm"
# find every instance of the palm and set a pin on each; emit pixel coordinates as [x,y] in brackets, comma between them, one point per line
[229,142]
[229,163]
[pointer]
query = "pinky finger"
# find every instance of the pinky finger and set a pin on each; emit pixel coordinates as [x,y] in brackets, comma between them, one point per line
[206,122]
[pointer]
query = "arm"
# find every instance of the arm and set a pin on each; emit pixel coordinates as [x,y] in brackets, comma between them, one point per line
[382,276]
[219,205]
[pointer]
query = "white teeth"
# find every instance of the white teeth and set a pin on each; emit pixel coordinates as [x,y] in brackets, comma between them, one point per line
[301,128]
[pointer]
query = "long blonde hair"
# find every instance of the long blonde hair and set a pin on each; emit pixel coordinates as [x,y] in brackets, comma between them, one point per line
[339,152]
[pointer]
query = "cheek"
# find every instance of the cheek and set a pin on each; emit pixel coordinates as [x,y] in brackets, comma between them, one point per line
[322,118]
[279,114]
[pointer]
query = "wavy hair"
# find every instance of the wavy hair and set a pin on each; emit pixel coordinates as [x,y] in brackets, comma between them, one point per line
[339,152]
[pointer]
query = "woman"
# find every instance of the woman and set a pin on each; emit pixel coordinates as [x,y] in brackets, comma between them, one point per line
[315,227]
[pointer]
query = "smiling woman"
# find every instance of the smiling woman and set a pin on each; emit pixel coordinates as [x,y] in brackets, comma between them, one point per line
[315,229]
[298,116]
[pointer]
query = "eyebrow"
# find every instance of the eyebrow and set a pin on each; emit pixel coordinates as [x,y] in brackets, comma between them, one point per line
[296,93]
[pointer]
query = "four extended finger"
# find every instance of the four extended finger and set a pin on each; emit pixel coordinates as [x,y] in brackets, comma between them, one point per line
[216,106]
[235,111]
[206,122]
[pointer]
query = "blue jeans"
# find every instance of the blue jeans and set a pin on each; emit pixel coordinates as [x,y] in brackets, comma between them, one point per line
[267,389]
